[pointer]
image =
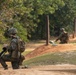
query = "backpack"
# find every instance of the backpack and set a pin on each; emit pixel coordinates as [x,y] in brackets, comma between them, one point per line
[21,45]
[64,37]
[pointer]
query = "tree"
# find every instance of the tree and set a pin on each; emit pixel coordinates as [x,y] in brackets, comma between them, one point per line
[62,17]
[41,9]
[29,16]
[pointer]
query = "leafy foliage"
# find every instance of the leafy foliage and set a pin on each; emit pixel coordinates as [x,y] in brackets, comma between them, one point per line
[29,16]
[21,31]
[63,17]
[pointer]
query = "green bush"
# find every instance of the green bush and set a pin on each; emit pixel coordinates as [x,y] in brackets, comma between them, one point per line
[22,33]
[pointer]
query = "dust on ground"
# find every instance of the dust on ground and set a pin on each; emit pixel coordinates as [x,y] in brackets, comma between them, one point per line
[43,70]
[49,69]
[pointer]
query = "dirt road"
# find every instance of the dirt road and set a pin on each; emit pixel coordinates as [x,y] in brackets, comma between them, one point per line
[42,70]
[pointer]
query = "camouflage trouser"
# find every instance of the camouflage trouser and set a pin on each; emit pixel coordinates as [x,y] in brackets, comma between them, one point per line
[22,58]
[7,58]
[63,42]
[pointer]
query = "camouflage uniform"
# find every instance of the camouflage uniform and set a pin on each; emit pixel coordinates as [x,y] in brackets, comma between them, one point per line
[63,37]
[13,56]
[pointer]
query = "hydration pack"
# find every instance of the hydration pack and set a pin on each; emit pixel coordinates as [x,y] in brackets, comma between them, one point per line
[21,45]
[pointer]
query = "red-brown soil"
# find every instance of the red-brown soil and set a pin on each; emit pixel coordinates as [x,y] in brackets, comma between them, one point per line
[42,49]
[50,48]
[49,69]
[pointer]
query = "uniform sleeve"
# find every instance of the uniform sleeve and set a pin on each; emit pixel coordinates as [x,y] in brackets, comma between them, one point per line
[60,36]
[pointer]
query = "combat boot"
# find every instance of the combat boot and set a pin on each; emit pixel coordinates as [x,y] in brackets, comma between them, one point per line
[5,67]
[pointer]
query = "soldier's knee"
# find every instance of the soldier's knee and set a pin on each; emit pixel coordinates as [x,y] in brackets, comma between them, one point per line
[22,57]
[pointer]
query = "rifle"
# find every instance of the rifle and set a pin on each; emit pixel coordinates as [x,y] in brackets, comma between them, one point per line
[53,43]
[4,49]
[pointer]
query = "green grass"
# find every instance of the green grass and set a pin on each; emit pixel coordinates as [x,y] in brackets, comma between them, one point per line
[26,52]
[53,58]
[0,47]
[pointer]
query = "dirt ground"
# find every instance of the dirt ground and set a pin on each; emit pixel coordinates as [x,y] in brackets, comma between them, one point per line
[50,48]
[42,70]
[64,69]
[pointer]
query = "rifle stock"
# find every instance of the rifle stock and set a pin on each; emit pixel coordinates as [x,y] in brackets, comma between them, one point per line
[2,53]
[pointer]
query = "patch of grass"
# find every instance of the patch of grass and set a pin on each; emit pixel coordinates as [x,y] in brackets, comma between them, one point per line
[26,52]
[53,58]
[0,47]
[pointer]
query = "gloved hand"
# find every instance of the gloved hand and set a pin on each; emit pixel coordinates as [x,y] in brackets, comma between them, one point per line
[4,49]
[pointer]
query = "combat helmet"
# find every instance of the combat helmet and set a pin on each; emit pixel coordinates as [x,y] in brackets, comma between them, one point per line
[62,29]
[12,31]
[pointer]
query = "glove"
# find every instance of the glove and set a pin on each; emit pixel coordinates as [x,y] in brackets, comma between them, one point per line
[4,49]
